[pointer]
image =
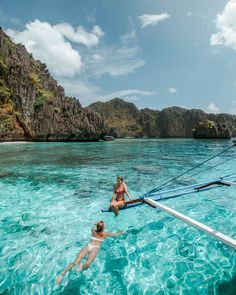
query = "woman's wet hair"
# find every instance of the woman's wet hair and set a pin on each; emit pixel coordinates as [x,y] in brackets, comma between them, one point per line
[120,177]
[100,226]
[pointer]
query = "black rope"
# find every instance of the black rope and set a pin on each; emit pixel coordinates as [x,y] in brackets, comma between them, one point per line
[191,169]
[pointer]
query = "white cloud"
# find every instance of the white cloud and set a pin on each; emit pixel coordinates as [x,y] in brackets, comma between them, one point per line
[88,93]
[226,26]
[189,13]
[128,94]
[117,60]
[80,35]
[152,19]
[52,45]
[47,44]
[81,89]
[212,108]
[172,90]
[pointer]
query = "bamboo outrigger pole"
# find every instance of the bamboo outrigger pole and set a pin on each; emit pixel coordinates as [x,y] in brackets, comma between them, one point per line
[223,238]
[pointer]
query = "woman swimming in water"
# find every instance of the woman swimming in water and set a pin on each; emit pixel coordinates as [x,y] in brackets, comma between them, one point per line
[91,250]
[118,197]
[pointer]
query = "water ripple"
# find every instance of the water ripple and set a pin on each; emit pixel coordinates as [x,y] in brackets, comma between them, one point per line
[50,195]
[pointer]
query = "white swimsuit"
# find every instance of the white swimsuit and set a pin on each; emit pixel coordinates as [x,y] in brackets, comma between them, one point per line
[90,246]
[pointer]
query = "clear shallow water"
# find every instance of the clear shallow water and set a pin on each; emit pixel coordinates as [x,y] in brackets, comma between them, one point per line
[51,193]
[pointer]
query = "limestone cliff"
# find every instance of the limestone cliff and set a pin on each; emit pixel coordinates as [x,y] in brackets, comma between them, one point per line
[211,130]
[34,107]
[124,118]
[120,115]
[127,120]
[179,122]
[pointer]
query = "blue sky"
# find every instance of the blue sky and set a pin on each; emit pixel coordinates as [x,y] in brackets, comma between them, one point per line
[154,53]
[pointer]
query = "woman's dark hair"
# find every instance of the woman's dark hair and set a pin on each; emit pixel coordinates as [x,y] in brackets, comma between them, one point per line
[100,226]
[120,177]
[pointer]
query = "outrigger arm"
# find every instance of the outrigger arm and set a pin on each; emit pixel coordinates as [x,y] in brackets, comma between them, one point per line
[210,231]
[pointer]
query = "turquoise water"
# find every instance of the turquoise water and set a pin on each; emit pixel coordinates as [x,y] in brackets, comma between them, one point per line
[51,193]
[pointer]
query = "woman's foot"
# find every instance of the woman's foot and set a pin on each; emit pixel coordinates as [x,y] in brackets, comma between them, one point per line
[59,279]
[116,211]
[79,268]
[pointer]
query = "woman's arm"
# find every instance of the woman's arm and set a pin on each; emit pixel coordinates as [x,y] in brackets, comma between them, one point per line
[93,229]
[126,191]
[114,193]
[112,234]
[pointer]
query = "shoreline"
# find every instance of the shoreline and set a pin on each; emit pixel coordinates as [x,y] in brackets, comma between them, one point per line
[15,142]
[120,138]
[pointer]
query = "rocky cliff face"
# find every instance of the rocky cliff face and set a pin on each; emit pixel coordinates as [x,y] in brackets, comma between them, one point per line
[120,116]
[211,130]
[127,120]
[124,118]
[34,107]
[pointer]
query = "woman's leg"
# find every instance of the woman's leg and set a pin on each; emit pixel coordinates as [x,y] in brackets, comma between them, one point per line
[83,252]
[115,208]
[92,255]
[116,205]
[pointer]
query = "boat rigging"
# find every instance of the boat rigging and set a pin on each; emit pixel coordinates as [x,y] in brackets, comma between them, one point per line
[154,196]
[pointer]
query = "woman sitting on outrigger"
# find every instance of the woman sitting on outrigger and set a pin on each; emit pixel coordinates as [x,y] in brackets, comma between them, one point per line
[91,250]
[118,197]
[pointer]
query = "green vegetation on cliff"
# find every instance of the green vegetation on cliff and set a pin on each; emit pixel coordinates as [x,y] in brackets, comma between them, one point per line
[34,79]
[43,96]
[39,101]
[7,118]
[5,94]
[46,94]
[3,67]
